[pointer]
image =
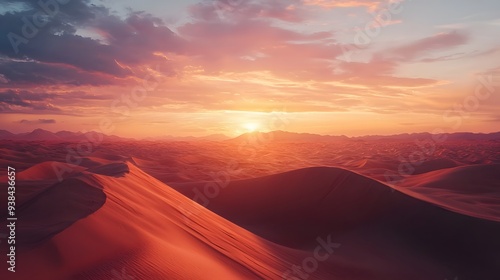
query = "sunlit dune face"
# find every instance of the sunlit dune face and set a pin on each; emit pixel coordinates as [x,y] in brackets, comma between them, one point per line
[251,127]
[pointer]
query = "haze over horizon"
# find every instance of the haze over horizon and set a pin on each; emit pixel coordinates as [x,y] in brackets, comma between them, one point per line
[40,134]
[195,68]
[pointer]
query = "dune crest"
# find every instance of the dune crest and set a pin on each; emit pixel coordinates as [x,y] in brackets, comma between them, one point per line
[471,190]
[141,219]
[292,208]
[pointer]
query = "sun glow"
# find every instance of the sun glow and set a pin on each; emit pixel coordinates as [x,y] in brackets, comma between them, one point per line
[251,127]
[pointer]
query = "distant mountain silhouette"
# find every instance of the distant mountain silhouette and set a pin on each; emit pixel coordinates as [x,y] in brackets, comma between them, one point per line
[44,135]
[427,135]
[274,136]
[284,136]
[4,134]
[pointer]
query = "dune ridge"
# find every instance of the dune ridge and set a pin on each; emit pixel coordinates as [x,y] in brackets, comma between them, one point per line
[471,190]
[352,206]
[141,219]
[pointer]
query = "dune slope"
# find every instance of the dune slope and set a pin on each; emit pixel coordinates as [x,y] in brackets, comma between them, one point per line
[292,208]
[472,190]
[144,230]
[116,221]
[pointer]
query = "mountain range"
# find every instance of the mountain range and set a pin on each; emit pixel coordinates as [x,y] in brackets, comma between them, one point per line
[274,136]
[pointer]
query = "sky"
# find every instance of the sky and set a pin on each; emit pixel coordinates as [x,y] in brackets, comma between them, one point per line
[194,68]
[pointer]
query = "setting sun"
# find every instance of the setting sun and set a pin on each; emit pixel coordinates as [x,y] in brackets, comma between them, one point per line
[251,127]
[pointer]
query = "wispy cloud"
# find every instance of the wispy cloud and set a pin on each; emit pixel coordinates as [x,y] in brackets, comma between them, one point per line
[38,122]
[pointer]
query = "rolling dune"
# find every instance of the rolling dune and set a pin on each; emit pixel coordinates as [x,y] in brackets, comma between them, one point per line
[115,219]
[292,208]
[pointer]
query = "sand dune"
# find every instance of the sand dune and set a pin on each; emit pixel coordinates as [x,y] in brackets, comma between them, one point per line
[140,226]
[115,216]
[435,164]
[49,171]
[472,190]
[124,218]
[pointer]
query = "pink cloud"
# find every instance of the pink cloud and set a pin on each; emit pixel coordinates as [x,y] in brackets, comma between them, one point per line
[440,41]
[255,45]
[289,11]
[381,69]
[370,5]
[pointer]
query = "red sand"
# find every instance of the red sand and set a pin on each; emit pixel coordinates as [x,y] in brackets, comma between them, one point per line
[108,219]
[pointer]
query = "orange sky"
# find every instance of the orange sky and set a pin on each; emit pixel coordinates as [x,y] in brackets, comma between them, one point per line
[198,68]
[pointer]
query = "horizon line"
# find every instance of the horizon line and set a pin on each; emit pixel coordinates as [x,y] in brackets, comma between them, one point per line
[254,132]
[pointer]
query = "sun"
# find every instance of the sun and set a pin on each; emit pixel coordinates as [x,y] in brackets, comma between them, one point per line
[251,127]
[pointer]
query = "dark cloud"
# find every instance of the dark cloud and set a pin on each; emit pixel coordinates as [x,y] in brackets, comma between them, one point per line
[54,53]
[28,72]
[16,101]
[25,101]
[57,55]
[38,122]
[22,98]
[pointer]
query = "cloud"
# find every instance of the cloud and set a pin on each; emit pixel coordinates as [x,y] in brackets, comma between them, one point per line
[3,79]
[12,101]
[61,102]
[223,36]
[329,4]
[56,54]
[440,41]
[28,72]
[250,41]
[38,122]
[22,98]
[234,10]
[381,68]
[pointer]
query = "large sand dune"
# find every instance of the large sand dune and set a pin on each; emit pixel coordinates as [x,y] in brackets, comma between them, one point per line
[293,207]
[141,227]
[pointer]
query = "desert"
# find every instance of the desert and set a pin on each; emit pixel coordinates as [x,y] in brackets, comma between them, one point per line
[131,210]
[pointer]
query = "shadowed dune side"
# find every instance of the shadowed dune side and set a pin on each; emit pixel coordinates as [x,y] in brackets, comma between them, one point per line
[56,208]
[117,169]
[292,208]
[297,202]
[46,206]
[50,197]
[472,190]
[434,164]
